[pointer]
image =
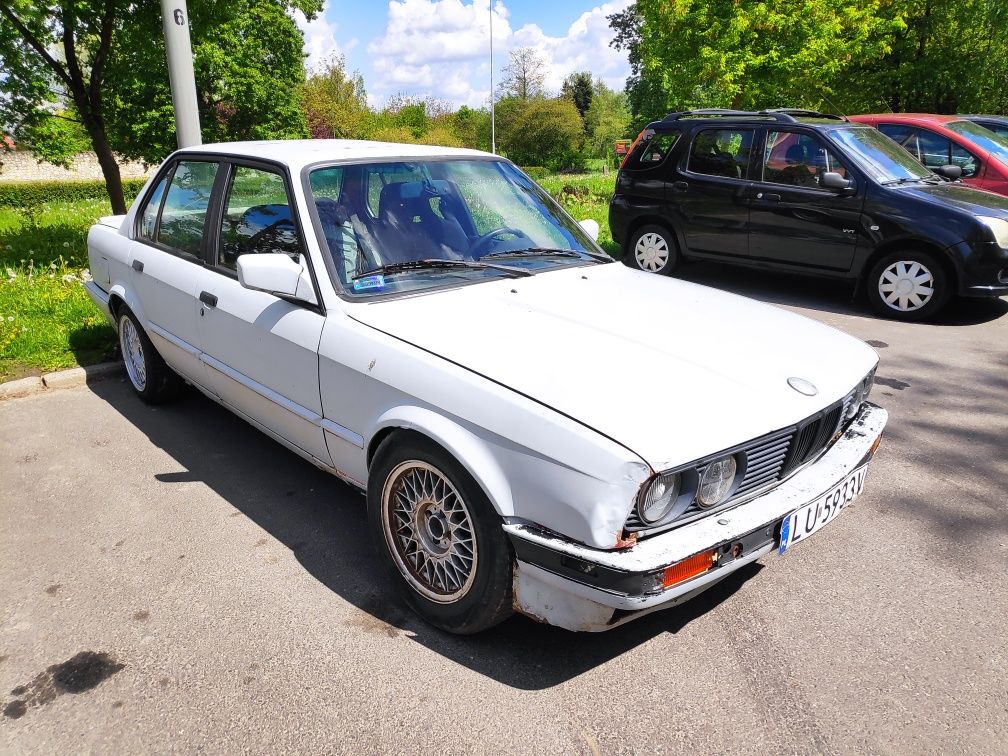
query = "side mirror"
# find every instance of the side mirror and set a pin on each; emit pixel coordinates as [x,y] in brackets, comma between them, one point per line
[276,274]
[950,172]
[836,182]
[591,228]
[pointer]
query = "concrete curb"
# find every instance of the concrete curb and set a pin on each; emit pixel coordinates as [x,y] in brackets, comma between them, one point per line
[60,379]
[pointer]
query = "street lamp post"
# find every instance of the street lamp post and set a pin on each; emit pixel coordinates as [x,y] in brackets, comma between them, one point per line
[175,19]
[493,122]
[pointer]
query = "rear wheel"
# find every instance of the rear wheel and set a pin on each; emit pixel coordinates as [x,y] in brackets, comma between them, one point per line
[908,285]
[152,380]
[438,534]
[652,249]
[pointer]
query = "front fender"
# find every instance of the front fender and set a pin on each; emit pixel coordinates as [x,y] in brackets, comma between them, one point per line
[470,450]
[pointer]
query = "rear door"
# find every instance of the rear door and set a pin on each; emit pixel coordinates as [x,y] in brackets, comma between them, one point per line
[792,220]
[167,259]
[261,351]
[712,195]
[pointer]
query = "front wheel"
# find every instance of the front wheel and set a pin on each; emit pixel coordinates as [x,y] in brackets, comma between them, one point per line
[437,532]
[652,249]
[908,285]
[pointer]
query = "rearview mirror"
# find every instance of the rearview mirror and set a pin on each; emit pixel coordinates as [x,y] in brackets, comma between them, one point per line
[591,228]
[950,172]
[276,274]
[836,182]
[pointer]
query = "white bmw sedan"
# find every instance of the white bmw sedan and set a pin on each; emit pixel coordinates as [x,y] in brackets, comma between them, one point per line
[536,428]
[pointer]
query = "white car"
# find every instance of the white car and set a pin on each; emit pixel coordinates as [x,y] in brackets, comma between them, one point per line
[536,427]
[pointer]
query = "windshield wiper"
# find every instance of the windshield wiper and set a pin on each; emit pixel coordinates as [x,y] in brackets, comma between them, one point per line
[907,180]
[438,264]
[533,252]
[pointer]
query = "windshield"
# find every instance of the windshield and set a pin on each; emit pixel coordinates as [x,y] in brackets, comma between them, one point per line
[879,156]
[995,144]
[406,226]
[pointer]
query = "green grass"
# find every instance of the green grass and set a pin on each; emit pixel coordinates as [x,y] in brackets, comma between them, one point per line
[47,321]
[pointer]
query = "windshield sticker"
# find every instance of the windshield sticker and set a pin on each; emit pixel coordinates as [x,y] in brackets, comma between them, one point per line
[369,282]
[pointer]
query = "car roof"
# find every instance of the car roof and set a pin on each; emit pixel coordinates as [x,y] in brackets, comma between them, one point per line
[934,119]
[718,116]
[297,153]
[984,117]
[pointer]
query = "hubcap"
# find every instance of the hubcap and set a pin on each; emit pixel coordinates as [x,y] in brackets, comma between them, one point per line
[429,531]
[133,356]
[652,252]
[906,285]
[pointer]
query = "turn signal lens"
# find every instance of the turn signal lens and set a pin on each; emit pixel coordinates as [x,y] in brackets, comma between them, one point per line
[688,568]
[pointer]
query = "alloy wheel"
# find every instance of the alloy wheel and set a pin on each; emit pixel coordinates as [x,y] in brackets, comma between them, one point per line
[133,354]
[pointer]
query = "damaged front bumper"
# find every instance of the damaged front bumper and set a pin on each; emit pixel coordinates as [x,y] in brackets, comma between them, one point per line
[576,587]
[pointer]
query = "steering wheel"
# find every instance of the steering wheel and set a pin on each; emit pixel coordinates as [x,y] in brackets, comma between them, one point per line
[482,241]
[270,233]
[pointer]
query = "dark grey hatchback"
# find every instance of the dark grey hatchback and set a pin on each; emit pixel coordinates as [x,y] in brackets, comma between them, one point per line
[811,193]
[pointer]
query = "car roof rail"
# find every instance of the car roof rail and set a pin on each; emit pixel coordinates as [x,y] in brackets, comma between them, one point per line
[803,113]
[729,113]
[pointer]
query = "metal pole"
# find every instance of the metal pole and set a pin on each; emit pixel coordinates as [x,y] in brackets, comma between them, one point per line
[493,123]
[175,19]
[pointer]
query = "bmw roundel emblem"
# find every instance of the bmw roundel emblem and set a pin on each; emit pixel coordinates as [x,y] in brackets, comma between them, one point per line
[802,386]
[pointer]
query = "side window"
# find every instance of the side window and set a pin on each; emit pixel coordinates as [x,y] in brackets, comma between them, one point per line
[965,160]
[798,159]
[148,219]
[934,148]
[257,218]
[721,152]
[905,136]
[653,152]
[185,206]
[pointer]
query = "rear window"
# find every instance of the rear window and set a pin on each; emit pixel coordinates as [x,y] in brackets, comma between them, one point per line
[721,152]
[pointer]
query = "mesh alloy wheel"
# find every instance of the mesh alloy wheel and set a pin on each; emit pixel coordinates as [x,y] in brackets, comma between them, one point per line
[133,353]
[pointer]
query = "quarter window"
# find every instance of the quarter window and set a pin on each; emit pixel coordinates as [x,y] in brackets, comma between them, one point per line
[721,152]
[257,218]
[798,160]
[654,151]
[185,207]
[148,220]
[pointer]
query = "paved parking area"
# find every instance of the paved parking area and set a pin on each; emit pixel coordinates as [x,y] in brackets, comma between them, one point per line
[224,596]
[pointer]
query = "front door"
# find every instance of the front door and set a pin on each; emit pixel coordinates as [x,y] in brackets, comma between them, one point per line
[792,220]
[711,197]
[261,351]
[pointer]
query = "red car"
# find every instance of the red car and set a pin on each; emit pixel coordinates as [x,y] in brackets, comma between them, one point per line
[938,140]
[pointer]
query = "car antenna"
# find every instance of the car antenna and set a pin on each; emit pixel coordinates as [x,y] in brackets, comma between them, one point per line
[886,105]
[834,108]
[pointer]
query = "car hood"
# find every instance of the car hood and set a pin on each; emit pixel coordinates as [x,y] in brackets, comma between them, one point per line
[671,370]
[971,199]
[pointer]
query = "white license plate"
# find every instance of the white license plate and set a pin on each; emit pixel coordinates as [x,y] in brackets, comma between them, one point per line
[803,522]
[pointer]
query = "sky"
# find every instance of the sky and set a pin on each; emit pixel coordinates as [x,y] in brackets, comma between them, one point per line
[441,48]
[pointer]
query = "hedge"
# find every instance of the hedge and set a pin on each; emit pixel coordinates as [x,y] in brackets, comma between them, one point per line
[536,172]
[19,194]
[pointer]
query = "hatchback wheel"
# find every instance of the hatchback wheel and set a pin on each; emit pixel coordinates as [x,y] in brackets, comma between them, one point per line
[653,250]
[908,285]
[438,533]
[153,381]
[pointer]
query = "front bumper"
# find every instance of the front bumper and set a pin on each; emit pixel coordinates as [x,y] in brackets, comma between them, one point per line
[580,588]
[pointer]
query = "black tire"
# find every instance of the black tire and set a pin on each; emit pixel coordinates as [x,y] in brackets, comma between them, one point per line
[904,278]
[659,253]
[484,594]
[152,380]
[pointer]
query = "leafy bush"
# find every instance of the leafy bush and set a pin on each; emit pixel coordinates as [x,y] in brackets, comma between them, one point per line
[26,194]
[536,172]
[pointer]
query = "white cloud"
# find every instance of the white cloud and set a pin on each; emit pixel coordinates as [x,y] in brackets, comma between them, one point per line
[320,38]
[441,49]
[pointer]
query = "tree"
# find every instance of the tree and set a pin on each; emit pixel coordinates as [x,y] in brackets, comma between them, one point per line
[607,119]
[524,75]
[335,102]
[539,131]
[104,60]
[747,53]
[578,88]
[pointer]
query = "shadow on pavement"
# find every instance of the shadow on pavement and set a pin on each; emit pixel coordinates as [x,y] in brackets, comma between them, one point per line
[323,522]
[823,294]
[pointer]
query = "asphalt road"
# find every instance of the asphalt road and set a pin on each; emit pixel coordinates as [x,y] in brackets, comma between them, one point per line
[172,580]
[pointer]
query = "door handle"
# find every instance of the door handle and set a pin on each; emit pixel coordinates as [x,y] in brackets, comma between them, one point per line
[680,186]
[210,300]
[769,197]
[137,266]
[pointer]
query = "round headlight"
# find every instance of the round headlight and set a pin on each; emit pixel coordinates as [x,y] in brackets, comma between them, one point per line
[716,482]
[861,393]
[659,498]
